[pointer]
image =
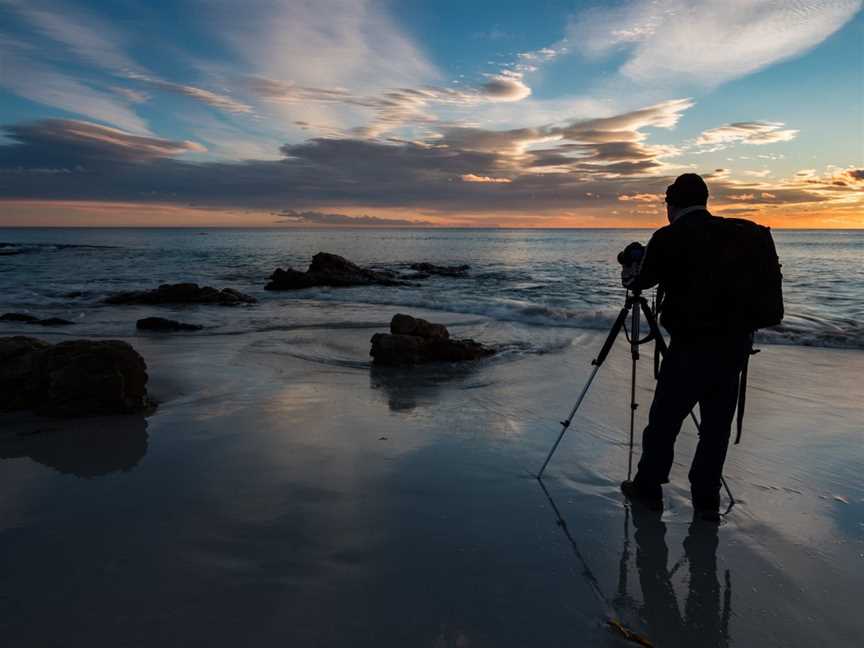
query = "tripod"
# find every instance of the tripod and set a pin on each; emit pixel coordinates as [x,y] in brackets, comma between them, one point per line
[635,305]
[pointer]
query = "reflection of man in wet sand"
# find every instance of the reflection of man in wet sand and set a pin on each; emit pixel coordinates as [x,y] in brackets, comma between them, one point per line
[704,623]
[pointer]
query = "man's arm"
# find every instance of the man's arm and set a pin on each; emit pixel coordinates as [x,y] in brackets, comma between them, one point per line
[650,270]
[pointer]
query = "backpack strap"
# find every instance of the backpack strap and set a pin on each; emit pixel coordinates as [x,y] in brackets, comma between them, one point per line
[742,390]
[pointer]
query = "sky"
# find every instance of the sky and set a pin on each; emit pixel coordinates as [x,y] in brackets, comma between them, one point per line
[439,113]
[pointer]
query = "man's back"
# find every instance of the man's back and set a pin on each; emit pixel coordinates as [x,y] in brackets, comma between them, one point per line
[694,261]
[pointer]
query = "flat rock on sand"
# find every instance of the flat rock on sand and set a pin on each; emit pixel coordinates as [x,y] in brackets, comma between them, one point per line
[331,270]
[415,341]
[182,293]
[74,378]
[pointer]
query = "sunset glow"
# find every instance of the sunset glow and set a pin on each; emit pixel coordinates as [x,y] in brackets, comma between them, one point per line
[360,113]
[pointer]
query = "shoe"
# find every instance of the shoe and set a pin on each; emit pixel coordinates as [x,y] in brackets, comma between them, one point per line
[651,498]
[707,508]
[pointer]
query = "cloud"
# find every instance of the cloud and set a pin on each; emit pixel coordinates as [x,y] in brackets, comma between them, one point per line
[82,33]
[507,86]
[454,170]
[754,132]
[471,177]
[349,46]
[852,175]
[39,74]
[606,167]
[213,99]
[645,198]
[321,218]
[132,96]
[705,42]
[80,145]
[393,108]
[42,84]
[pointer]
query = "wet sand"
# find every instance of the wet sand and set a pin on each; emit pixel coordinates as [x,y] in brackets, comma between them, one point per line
[284,492]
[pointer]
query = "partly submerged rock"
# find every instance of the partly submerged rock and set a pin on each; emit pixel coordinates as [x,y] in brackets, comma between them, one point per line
[32,319]
[74,378]
[165,325]
[21,372]
[19,317]
[54,321]
[414,341]
[331,270]
[446,271]
[182,293]
[402,324]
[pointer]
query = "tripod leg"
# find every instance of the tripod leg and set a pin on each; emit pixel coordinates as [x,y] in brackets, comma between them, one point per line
[604,351]
[634,356]
[566,423]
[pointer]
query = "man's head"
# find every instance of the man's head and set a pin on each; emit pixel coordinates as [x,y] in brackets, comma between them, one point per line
[688,190]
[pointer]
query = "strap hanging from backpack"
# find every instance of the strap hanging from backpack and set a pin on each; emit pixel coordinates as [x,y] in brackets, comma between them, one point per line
[742,390]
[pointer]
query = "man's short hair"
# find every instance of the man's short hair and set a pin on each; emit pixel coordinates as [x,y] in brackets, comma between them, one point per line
[688,189]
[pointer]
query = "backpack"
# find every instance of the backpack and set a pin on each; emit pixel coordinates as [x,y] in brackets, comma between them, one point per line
[746,272]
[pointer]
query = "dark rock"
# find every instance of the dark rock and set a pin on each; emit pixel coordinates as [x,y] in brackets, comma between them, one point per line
[75,378]
[18,317]
[406,325]
[182,293]
[30,319]
[443,350]
[20,372]
[446,271]
[397,349]
[415,341]
[331,270]
[54,321]
[162,324]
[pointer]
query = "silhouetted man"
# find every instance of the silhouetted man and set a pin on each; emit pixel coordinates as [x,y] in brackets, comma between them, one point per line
[706,354]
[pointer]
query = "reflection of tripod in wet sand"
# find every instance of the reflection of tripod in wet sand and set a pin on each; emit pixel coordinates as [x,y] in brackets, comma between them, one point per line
[635,305]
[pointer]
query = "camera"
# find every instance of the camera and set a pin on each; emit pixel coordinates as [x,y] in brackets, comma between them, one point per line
[631,255]
[631,260]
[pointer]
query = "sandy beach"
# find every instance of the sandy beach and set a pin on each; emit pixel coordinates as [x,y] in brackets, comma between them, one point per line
[285,491]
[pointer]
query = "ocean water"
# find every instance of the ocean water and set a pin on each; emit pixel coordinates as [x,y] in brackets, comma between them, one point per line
[542,279]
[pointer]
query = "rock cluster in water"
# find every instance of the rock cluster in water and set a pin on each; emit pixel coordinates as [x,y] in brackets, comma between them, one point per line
[24,318]
[182,293]
[423,270]
[414,341]
[331,270]
[74,378]
[165,325]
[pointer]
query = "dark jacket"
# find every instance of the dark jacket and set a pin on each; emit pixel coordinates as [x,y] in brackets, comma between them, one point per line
[681,258]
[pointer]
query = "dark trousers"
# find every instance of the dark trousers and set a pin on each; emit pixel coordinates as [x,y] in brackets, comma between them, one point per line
[702,370]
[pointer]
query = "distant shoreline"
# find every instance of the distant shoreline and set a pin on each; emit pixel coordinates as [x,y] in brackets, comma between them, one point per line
[384,228]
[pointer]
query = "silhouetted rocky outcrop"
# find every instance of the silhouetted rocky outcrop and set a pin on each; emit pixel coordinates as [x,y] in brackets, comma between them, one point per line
[331,270]
[426,269]
[165,325]
[182,293]
[415,341]
[74,378]
[32,319]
